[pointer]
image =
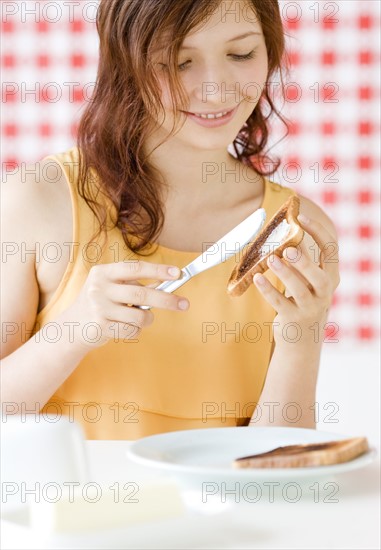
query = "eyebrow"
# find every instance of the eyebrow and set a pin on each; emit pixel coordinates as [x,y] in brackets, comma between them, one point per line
[240,37]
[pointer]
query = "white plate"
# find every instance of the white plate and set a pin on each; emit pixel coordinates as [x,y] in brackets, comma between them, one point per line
[207,454]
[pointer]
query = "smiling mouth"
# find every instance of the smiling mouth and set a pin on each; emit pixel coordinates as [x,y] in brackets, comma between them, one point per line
[211,116]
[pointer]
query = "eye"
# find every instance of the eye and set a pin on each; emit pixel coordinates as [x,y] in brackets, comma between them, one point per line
[183,66]
[249,55]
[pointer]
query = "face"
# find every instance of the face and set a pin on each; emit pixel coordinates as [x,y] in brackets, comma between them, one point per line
[223,68]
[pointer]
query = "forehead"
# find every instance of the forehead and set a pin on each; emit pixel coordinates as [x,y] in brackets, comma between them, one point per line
[229,20]
[230,14]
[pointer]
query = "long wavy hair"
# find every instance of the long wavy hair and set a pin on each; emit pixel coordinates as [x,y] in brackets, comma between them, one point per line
[115,123]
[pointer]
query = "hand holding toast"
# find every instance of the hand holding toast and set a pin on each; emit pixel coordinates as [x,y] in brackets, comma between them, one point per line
[310,286]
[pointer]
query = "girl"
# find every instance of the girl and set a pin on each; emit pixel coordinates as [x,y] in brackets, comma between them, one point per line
[152,182]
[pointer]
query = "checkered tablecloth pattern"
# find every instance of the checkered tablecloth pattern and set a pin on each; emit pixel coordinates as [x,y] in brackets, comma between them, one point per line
[332,154]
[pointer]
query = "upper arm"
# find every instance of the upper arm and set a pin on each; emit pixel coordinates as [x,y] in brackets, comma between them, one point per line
[19,286]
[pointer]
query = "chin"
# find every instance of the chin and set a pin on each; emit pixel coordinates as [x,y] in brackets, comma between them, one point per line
[209,139]
[209,144]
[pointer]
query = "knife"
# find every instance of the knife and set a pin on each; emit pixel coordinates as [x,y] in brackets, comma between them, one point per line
[219,252]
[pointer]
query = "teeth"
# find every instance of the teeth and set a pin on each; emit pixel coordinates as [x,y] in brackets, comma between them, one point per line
[211,116]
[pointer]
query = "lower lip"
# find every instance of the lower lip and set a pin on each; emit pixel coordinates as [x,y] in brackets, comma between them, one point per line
[213,122]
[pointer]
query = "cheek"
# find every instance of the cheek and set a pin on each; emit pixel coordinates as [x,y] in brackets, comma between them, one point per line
[166,96]
[159,118]
[253,80]
[164,92]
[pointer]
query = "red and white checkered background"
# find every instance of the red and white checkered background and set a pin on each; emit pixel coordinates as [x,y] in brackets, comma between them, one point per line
[49,61]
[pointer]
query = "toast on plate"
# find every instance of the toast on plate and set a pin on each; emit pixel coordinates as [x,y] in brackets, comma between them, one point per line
[304,455]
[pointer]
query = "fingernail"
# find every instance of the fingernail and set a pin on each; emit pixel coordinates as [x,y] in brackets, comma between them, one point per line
[174,271]
[302,218]
[260,280]
[183,304]
[275,262]
[290,254]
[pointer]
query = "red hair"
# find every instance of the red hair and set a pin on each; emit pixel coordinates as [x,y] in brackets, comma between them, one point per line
[115,124]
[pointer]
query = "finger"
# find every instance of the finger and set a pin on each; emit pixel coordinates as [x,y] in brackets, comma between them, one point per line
[137,283]
[312,276]
[142,295]
[329,247]
[138,269]
[153,285]
[139,318]
[294,285]
[275,298]
[301,249]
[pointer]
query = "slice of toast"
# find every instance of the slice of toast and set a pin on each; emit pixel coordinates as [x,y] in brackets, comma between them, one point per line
[281,231]
[306,455]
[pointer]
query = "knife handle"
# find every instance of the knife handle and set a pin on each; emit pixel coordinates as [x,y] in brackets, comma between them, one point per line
[171,286]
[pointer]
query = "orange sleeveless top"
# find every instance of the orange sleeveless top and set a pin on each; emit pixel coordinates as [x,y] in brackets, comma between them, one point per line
[204,367]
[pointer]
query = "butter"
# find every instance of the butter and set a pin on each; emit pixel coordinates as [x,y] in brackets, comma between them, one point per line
[117,506]
[275,239]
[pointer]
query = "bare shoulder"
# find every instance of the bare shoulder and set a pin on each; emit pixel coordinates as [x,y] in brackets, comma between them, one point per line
[35,213]
[21,206]
[313,211]
[31,196]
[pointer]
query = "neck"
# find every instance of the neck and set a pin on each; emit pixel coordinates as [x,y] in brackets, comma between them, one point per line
[196,176]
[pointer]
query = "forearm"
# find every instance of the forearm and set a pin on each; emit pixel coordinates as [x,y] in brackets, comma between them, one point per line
[309,285]
[289,391]
[33,372]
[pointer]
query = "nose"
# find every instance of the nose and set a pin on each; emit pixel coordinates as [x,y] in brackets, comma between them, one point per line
[216,86]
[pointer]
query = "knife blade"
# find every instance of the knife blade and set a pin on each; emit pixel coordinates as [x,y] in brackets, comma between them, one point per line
[218,252]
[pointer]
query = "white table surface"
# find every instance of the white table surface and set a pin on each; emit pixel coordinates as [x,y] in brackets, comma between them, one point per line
[351,523]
